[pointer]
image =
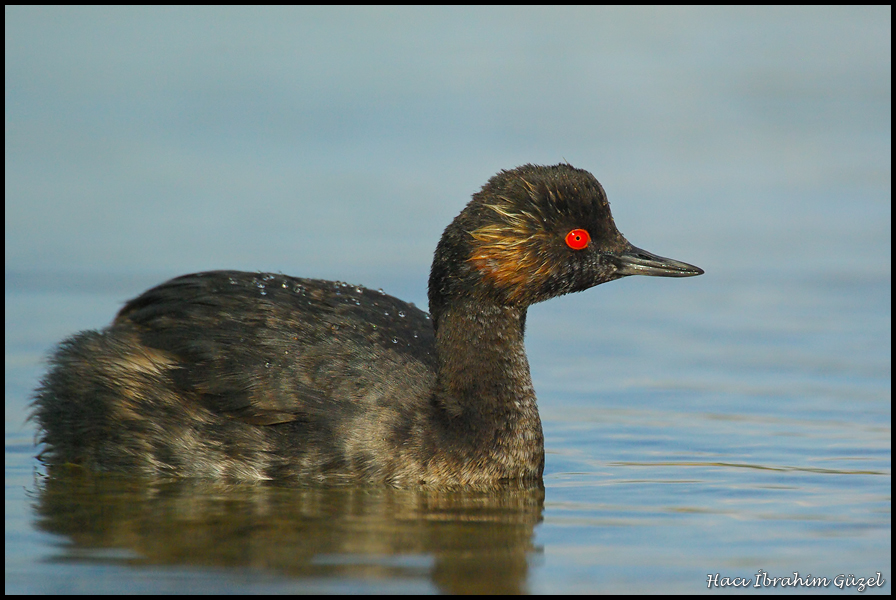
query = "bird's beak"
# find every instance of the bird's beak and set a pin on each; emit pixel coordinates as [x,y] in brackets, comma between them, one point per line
[634,261]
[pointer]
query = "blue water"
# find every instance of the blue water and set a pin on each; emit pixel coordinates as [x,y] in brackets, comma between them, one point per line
[725,424]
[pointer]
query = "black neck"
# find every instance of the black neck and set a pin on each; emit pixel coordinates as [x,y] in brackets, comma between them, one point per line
[484,388]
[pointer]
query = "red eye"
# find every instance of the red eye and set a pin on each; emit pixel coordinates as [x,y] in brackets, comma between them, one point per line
[578,239]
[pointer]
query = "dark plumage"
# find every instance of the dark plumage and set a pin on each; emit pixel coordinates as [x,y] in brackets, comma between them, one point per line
[237,375]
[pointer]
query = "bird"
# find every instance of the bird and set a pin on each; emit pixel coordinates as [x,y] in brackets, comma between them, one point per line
[253,376]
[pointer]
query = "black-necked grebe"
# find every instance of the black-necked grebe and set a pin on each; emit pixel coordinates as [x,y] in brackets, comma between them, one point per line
[254,376]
